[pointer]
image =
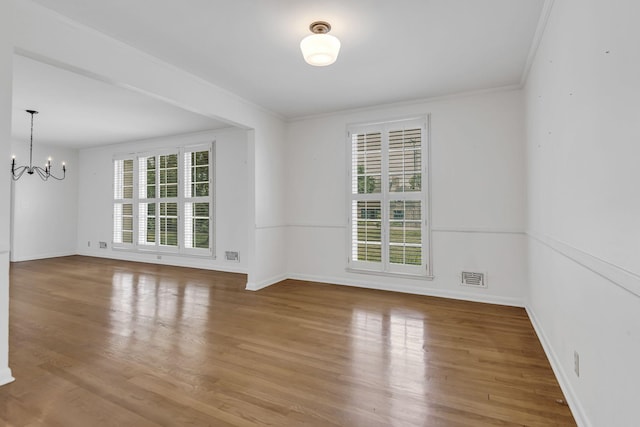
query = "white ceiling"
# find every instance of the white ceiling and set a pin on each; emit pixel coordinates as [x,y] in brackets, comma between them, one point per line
[78,111]
[391,50]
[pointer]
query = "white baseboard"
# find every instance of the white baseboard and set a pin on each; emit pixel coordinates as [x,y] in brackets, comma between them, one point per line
[561,375]
[412,289]
[166,260]
[5,376]
[253,286]
[40,256]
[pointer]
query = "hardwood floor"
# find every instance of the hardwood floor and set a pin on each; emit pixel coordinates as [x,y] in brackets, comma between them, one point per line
[97,342]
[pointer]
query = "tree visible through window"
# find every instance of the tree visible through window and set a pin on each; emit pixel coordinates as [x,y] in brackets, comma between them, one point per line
[388,200]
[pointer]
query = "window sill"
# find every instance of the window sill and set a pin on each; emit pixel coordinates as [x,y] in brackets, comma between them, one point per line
[388,274]
[163,253]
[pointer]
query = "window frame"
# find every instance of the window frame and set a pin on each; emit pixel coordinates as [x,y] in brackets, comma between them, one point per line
[139,199]
[385,196]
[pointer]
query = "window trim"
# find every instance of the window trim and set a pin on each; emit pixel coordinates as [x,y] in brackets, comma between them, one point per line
[156,248]
[384,267]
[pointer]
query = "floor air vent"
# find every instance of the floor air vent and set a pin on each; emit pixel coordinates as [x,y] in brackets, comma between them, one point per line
[475,280]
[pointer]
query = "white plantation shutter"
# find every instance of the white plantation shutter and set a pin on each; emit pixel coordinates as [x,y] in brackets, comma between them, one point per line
[147,200]
[142,177]
[405,232]
[366,194]
[123,182]
[188,227]
[388,192]
[117,223]
[168,198]
[118,167]
[118,179]
[163,201]
[367,230]
[405,160]
[405,210]
[367,163]
[198,197]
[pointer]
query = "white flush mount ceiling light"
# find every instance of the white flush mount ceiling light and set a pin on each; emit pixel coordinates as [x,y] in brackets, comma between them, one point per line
[320,48]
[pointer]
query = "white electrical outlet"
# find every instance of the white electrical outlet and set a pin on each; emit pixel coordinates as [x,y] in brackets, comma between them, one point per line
[576,363]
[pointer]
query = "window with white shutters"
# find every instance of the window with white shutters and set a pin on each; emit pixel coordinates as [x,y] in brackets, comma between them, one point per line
[388,215]
[147,201]
[123,202]
[198,191]
[168,200]
[163,201]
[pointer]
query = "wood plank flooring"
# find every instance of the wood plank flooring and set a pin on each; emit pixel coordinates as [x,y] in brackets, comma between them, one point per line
[97,342]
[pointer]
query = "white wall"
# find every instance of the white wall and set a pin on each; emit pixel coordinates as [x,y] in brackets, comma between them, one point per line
[478,194]
[6,72]
[44,214]
[231,176]
[583,132]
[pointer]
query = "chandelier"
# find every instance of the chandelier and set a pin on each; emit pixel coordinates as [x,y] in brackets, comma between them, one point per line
[44,173]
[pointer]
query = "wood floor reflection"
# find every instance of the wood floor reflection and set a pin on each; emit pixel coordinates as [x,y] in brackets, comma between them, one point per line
[98,342]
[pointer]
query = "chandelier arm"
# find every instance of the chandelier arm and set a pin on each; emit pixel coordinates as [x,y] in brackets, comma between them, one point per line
[18,172]
[64,174]
[41,172]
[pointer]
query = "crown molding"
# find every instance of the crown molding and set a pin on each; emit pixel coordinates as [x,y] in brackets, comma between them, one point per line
[537,38]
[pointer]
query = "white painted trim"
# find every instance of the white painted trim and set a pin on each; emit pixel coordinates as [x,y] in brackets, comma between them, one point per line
[189,262]
[251,286]
[477,230]
[5,376]
[480,230]
[426,100]
[389,274]
[412,289]
[419,118]
[615,274]
[574,403]
[267,227]
[316,225]
[428,207]
[41,256]
[537,38]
